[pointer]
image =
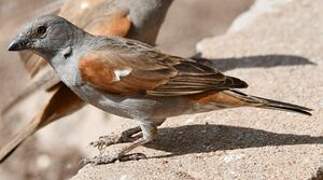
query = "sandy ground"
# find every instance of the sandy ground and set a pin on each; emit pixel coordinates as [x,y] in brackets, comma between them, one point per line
[277,49]
[55,151]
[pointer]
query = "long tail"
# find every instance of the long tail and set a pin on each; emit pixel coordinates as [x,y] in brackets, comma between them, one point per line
[44,82]
[62,103]
[23,134]
[260,102]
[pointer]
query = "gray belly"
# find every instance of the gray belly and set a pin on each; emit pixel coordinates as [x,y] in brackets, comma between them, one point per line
[134,107]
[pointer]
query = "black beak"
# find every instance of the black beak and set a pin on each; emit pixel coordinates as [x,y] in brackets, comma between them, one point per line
[18,44]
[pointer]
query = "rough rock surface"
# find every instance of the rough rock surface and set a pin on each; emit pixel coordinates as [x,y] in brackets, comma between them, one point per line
[278,49]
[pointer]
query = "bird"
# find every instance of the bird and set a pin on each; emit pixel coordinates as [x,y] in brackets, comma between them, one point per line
[135,19]
[134,80]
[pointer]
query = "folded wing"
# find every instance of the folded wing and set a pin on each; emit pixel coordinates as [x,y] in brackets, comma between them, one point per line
[128,67]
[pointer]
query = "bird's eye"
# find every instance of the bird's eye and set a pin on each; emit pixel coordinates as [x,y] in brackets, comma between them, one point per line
[41,30]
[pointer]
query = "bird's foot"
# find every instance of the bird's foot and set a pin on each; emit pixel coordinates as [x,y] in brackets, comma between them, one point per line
[108,159]
[97,160]
[133,157]
[105,141]
[129,135]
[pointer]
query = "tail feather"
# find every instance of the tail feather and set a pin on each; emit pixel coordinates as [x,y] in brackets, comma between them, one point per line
[44,82]
[273,104]
[55,109]
[20,97]
[23,134]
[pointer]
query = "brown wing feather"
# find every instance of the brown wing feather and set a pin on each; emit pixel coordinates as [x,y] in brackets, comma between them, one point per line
[101,73]
[149,71]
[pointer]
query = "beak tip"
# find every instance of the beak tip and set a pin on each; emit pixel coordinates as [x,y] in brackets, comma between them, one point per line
[18,44]
[13,46]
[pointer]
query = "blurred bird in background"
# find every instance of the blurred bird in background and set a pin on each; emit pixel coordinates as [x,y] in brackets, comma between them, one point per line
[134,19]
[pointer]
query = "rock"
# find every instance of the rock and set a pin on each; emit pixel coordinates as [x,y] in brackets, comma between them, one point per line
[279,52]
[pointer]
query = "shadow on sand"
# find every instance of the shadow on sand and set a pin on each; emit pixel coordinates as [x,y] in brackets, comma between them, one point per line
[264,61]
[209,138]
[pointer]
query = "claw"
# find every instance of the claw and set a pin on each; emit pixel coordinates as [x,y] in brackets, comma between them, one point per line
[85,161]
[130,135]
[132,157]
[98,160]
[126,136]
[108,159]
[105,141]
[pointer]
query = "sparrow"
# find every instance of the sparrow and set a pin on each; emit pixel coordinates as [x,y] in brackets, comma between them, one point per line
[134,80]
[135,19]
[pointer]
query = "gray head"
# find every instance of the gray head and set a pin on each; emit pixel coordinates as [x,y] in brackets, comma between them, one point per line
[46,35]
